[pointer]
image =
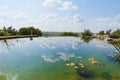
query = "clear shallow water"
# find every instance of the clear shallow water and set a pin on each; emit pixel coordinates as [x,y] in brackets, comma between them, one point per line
[57,58]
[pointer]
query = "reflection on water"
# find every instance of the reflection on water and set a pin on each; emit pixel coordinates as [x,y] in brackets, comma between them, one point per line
[31,38]
[86,39]
[5,41]
[7,44]
[56,58]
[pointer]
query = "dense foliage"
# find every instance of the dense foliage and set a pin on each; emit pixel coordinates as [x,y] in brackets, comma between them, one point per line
[86,32]
[108,32]
[1,32]
[22,31]
[69,34]
[115,34]
[11,31]
[29,31]
[101,33]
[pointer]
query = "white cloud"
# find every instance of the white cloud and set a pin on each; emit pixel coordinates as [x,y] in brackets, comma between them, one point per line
[105,23]
[108,22]
[22,17]
[10,18]
[51,3]
[3,10]
[57,22]
[68,5]
[48,17]
[103,19]
[77,18]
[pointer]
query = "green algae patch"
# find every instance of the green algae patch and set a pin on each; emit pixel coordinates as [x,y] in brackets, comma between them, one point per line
[2,77]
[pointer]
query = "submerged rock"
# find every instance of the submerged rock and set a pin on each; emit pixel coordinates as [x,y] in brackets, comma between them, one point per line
[72,64]
[76,67]
[85,73]
[93,61]
[81,65]
[67,64]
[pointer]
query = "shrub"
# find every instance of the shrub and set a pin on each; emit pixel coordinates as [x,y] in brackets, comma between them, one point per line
[114,35]
[101,33]
[1,32]
[86,33]
[69,34]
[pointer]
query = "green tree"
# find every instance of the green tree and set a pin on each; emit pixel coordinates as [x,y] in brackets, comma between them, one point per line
[35,31]
[29,31]
[23,31]
[86,32]
[69,34]
[1,32]
[117,31]
[115,34]
[11,31]
[108,32]
[101,33]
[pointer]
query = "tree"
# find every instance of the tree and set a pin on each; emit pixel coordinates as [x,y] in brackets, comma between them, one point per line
[86,32]
[23,31]
[115,34]
[11,31]
[117,31]
[109,31]
[1,32]
[101,33]
[29,31]
[69,34]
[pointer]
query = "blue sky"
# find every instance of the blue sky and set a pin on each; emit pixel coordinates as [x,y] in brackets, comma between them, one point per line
[61,15]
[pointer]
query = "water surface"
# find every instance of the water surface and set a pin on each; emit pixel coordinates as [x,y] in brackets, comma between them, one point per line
[57,58]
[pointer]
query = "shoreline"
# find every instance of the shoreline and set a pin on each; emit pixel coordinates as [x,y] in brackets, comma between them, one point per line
[17,36]
[28,36]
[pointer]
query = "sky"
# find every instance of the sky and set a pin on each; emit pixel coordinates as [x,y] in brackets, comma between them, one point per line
[61,15]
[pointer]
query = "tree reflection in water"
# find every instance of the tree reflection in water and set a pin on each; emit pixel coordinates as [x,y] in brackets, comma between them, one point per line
[8,42]
[86,39]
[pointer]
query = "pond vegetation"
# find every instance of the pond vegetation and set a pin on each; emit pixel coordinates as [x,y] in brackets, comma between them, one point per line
[116,54]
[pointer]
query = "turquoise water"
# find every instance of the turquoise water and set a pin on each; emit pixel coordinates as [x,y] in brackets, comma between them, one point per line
[57,58]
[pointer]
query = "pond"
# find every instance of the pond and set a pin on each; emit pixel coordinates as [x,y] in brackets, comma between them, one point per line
[57,58]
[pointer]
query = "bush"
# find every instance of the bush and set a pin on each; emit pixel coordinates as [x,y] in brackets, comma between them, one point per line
[27,31]
[114,35]
[1,32]
[101,33]
[11,31]
[117,31]
[69,34]
[86,33]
